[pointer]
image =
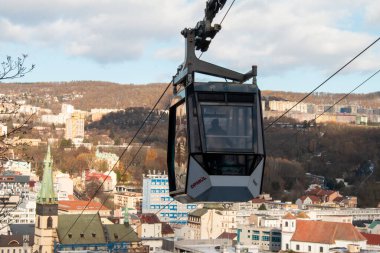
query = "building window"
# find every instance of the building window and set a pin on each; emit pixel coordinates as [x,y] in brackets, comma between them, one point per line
[297,247]
[50,222]
[309,248]
[287,246]
[320,249]
[286,223]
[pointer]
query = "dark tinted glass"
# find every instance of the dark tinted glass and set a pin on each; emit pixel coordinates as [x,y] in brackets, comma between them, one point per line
[227,128]
[226,164]
[180,157]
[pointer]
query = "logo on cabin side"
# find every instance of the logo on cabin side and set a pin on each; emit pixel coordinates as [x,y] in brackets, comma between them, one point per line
[199,181]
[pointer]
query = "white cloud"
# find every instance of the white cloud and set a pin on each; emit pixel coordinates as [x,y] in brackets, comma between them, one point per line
[277,35]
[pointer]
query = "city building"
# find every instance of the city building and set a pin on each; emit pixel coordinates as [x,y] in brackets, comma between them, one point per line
[130,200]
[64,186]
[266,238]
[283,106]
[318,236]
[209,222]
[3,130]
[18,167]
[28,109]
[75,127]
[105,179]
[111,158]
[374,227]
[81,206]
[16,243]
[46,211]
[152,231]
[373,242]
[98,113]
[88,234]
[58,119]
[156,199]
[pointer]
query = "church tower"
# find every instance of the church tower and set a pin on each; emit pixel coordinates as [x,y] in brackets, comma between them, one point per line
[46,211]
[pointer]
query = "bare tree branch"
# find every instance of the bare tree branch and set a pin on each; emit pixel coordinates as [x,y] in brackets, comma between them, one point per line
[11,69]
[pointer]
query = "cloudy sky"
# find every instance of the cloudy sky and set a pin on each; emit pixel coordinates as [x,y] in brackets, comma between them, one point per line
[296,43]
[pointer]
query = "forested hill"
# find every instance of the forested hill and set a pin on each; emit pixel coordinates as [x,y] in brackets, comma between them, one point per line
[85,95]
[333,151]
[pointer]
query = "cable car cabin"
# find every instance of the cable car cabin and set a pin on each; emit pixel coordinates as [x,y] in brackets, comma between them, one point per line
[216,147]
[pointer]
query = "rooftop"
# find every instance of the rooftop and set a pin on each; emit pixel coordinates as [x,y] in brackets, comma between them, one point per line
[198,212]
[149,218]
[78,233]
[289,216]
[372,239]
[72,205]
[121,232]
[325,232]
[374,224]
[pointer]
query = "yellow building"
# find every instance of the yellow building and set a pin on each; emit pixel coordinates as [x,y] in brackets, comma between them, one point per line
[75,126]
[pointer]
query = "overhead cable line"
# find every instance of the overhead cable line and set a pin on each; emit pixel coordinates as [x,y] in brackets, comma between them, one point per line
[330,107]
[129,165]
[121,239]
[325,81]
[119,159]
[221,22]
[229,8]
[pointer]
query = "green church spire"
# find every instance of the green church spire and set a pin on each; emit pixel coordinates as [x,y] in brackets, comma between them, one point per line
[47,195]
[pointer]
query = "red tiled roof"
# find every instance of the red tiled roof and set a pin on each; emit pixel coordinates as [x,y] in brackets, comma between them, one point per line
[319,192]
[314,199]
[325,232]
[98,176]
[289,216]
[226,235]
[339,199]
[71,197]
[73,205]
[149,218]
[302,215]
[258,200]
[372,239]
[166,229]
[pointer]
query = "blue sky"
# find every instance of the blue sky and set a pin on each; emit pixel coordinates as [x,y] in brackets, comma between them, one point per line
[296,43]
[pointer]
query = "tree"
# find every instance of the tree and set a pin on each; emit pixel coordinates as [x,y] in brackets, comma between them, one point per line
[92,189]
[12,128]
[12,69]
[262,207]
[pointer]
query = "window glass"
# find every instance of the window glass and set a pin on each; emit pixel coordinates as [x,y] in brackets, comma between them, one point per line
[228,128]
[180,157]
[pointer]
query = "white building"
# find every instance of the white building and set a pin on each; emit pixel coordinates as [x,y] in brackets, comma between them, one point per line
[111,158]
[3,130]
[266,238]
[28,109]
[53,119]
[208,223]
[283,106]
[156,198]
[130,200]
[318,236]
[64,186]
[67,110]
[18,167]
